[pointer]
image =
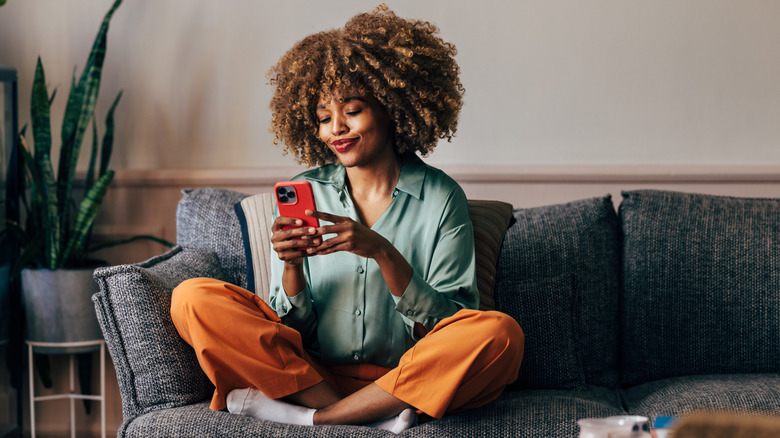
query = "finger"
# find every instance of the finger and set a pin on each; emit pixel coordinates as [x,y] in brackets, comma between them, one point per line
[329,246]
[293,233]
[325,216]
[282,221]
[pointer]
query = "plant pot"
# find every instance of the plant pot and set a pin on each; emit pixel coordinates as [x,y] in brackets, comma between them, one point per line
[58,308]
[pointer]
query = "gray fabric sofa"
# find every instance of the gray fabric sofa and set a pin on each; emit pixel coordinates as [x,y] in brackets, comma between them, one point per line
[669,305]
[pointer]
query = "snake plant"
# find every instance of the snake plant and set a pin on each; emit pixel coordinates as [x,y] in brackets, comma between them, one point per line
[56,232]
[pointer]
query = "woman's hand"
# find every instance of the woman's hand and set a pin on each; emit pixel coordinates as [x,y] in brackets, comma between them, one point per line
[290,244]
[360,240]
[351,236]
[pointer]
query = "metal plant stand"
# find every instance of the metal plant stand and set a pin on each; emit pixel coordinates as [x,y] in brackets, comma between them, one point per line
[48,347]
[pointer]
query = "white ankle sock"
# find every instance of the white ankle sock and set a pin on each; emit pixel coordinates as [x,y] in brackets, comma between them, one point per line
[399,423]
[252,402]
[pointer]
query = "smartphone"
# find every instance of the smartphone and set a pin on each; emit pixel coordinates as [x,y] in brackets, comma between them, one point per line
[293,199]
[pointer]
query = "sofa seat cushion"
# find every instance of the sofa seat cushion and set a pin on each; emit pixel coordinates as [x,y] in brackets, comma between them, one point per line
[197,420]
[558,276]
[701,285]
[718,392]
[537,413]
[526,414]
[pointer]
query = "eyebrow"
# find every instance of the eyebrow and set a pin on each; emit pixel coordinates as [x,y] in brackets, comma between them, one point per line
[346,100]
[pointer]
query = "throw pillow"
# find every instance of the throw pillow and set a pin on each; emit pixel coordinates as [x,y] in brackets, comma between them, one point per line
[155,367]
[565,242]
[490,220]
[255,214]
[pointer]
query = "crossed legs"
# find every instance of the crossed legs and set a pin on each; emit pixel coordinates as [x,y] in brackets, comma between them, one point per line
[241,344]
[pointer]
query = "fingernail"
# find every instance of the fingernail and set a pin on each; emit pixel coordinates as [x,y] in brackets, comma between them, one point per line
[298,222]
[312,230]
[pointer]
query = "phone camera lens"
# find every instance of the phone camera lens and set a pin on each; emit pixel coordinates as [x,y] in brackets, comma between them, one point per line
[291,195]
[283,199]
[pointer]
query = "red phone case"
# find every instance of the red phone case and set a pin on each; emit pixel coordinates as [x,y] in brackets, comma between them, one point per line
[293,199]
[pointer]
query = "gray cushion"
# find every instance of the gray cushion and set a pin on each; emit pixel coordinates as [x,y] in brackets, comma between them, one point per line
[205,218]
[722,392]
[526,414]
[558,276]
[155,367]
[199,421]
[702,285]
[546,312]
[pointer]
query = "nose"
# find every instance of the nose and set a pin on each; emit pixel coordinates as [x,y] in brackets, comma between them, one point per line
[339,126]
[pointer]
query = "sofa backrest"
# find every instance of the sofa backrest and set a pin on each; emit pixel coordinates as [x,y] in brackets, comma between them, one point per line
[205,218]
[701,285]
[558,276]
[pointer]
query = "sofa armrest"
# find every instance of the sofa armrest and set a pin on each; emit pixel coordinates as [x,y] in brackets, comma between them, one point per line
[155,368]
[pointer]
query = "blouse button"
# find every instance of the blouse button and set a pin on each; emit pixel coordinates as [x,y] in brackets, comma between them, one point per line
[409,312]
[356,356]
[357,312]
[360,270]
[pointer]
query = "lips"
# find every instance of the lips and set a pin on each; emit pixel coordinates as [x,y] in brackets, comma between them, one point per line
[343,145]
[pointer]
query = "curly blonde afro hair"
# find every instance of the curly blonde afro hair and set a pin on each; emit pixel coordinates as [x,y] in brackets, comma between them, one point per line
[402,63]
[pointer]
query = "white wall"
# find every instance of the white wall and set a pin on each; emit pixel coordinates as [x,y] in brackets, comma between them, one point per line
[549,82]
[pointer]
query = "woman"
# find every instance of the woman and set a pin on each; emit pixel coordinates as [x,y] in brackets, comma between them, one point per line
[371,317]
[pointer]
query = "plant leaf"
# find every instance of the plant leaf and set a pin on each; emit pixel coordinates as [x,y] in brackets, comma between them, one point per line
[40,113]
[92,157]
[44,186]
[86,215]
[108,138]
[78,113]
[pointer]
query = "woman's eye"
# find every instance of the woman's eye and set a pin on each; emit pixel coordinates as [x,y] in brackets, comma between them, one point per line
[324,120]
[354,112]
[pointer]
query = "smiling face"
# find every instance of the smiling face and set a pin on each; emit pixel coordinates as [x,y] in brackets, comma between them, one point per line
[356,129]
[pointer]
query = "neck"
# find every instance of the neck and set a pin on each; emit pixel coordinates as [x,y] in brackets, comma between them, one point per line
[379,179]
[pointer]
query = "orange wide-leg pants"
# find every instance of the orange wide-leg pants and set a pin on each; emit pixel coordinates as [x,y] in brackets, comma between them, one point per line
[465,361]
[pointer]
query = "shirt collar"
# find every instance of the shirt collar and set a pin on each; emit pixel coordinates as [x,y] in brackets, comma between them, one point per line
[410,179]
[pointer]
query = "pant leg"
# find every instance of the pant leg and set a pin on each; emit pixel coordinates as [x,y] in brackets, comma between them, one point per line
[463,363]
[239,340]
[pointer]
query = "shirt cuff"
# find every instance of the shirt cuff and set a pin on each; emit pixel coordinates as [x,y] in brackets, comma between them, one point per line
[286,304]
[417,300]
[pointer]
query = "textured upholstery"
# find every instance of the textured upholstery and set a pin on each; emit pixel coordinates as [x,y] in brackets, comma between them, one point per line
[528,414]
[702,285]
[206,218]
[713,392]
[700,295]
[558,276]
[155,367]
